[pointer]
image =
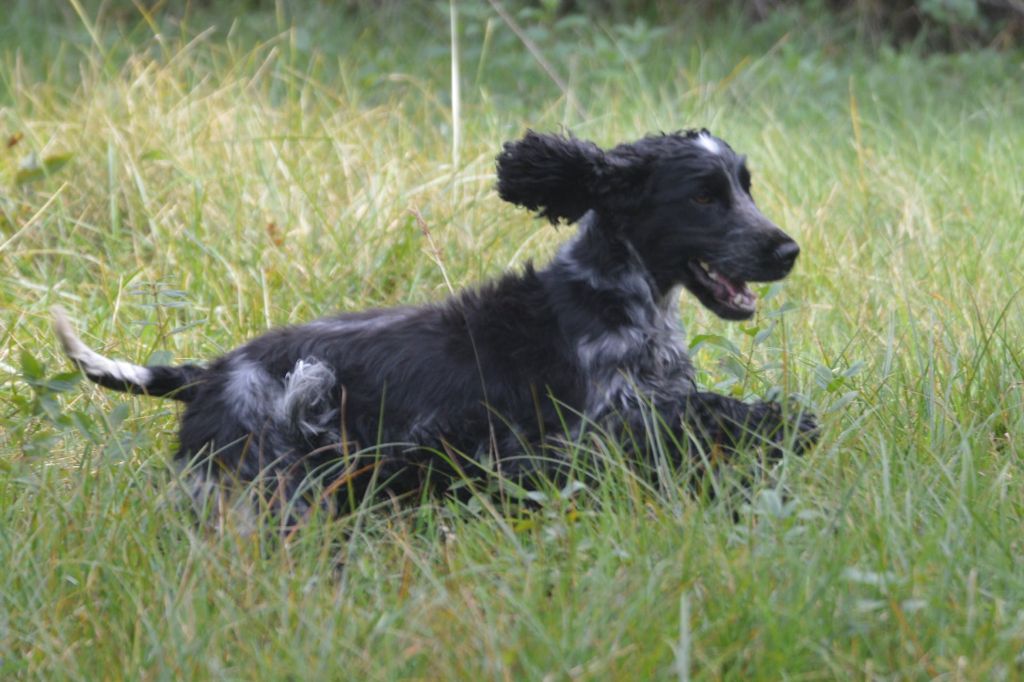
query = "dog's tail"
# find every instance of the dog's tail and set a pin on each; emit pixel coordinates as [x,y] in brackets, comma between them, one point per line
[178,382]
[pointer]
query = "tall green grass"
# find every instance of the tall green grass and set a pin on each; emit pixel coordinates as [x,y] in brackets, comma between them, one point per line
[183,183]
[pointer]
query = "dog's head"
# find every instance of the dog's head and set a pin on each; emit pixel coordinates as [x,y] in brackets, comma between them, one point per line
[681,200]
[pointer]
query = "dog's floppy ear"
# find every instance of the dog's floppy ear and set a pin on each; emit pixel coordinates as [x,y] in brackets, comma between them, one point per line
[554,175]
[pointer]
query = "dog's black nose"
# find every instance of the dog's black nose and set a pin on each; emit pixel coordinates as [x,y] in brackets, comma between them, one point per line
[786,253]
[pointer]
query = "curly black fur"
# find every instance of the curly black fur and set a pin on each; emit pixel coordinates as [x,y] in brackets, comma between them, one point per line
[494,376]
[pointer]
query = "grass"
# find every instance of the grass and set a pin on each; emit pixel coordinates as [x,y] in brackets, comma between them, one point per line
[181,184]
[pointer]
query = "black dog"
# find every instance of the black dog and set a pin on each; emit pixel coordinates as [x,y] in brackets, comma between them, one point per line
[491,379]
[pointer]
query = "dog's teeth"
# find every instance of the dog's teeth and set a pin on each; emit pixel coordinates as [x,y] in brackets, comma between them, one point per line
[741,299]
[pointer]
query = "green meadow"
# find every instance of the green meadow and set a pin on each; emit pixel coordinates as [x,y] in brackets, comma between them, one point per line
[183,179]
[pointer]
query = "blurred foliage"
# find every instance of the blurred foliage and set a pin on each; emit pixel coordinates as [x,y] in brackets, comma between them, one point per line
[938,24]
[931,25]
[934,24]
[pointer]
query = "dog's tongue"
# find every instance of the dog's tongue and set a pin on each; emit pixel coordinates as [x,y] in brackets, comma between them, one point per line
[732,286]
[737,292]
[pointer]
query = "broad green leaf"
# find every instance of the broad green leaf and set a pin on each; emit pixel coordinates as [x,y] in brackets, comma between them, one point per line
[32,170]
[31,368]
[714,340]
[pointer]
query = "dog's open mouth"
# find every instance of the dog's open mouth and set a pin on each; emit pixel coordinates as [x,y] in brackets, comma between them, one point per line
[727,297]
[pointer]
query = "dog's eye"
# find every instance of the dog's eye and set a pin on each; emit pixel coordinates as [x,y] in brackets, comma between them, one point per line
[703,199]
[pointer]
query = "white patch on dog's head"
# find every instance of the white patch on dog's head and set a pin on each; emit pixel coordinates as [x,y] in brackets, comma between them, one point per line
[709,143]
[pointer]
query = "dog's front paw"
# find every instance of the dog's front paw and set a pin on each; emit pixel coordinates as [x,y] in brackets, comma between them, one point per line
[788,427]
